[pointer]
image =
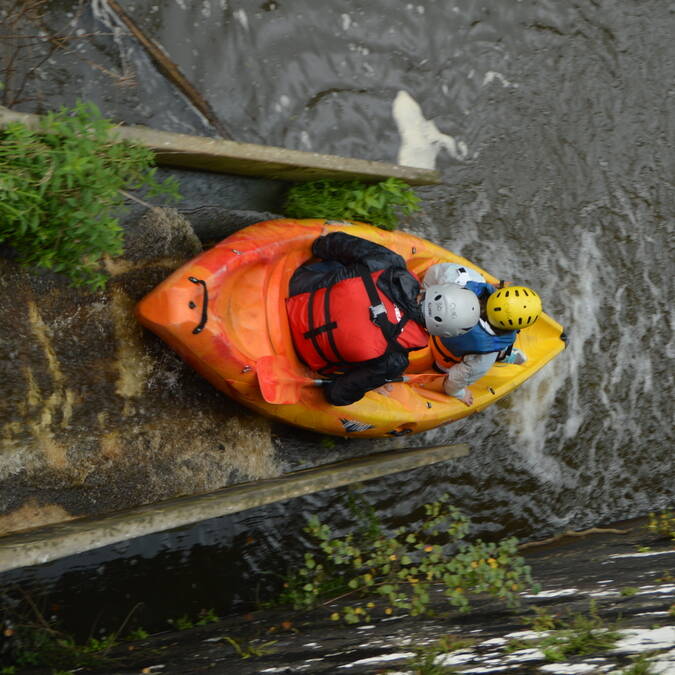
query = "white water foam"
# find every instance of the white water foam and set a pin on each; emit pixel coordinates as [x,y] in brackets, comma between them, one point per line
[421,141]
[530,422]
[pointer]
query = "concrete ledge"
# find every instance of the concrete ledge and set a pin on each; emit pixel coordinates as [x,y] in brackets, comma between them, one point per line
[214,154]
[41,545]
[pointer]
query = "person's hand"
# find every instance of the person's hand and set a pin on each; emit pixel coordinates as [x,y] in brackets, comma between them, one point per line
[385,389]
[463,395]
[467,399]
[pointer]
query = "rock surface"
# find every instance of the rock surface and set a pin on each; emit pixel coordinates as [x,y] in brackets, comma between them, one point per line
[97,414]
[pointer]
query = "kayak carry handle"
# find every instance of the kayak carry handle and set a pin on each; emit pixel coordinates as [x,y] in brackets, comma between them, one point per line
[205,302]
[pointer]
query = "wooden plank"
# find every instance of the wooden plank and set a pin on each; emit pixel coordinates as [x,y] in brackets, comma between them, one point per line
[248,159]
[41,545]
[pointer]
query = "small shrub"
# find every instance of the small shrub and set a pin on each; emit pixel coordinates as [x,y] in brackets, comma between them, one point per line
[138,634]
[207,616]
[662,524]
[428,659]
[384,572]
[246,650]
[380,204]
[182,622]
[580,635]
[642,665]
[43,645]
[61,190]
[542,620]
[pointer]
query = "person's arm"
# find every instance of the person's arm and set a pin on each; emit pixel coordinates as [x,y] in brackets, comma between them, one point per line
[352,386]
[348,249]
[469,370]
[451,273]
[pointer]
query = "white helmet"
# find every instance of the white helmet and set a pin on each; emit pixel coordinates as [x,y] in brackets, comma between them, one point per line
[450,310]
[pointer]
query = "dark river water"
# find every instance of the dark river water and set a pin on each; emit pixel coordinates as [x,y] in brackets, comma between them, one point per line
[553,125]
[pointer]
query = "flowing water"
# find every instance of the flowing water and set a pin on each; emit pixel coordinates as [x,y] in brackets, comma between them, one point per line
[552,124]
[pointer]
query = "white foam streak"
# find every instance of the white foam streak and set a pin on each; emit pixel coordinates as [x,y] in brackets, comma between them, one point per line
[527,421]
[421,141]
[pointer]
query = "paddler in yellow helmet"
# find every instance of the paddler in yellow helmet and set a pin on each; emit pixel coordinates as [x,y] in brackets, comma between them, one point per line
[504,311]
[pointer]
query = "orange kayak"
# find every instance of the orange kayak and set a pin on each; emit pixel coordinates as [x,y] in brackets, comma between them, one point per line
[224,313]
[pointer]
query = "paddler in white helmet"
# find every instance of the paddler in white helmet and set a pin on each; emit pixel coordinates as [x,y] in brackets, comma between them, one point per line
[504,312]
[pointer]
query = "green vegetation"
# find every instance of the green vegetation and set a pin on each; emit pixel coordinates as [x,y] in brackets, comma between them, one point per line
[32,640]
[425,661]
[138,634]
[44,645]
[380,204]
[248,649]
[580,635]
[629,591]
[206,616]
[62,188]
[384,572]
[662,524]
[542,620]
[642,665]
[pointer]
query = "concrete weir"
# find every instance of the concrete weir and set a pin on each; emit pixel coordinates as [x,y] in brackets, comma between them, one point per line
[248,159]
[44,544]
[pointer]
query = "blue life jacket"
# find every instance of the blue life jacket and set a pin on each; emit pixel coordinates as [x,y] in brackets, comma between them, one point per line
[481,288]
[449,351]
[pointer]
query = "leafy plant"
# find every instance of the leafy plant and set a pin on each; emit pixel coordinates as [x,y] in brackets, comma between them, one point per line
[44,645]
[246,650]
[641,665]
[385,572]
[580,635]
[182,623]
[207,616]
[138,634]
[62,188]
[380,204]
[542,620]
[428,659]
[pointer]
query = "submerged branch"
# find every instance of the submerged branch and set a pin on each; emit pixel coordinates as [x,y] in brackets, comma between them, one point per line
[170,70]
[573,533]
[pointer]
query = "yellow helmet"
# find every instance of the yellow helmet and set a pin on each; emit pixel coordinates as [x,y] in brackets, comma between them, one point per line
[513,307]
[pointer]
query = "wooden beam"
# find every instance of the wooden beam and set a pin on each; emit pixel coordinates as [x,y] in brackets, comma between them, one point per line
[51,542]
[231,157]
